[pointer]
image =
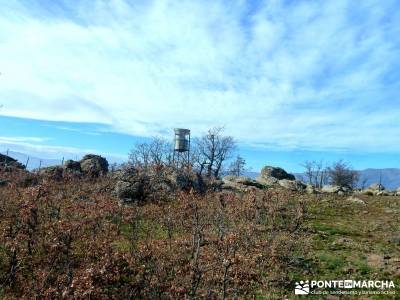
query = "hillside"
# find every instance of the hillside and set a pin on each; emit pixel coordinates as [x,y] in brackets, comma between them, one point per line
[72,238]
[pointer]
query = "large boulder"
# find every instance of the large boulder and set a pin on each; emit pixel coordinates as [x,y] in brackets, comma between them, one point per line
[383,193]
[293,185]
[276,172]
[241,183]
[183,181]
[72,166]
[94,165]
[9,162]
[53,172]
[335,189]
[146,185]
[267,181]
[376,187]
[129,191]
[130,184]
[310,189]
[356,200]
[271,177]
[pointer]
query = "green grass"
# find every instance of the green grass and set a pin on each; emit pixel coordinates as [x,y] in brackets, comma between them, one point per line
[342,236]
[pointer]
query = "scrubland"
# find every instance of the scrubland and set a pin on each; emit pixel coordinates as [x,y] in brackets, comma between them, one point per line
[72,239]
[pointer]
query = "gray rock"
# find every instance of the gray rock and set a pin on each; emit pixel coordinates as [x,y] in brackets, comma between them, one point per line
[356,200]
[94,165]
[53,172]
[376,187]
[131,185]
[139,185]
[72,166]
[9,162]
[276,172]
[331,189]
[367,192]
[382,193]
[240,183]
[184,181]
[267,181]
[310,189]
[215,184]
[293,185]
[128,191]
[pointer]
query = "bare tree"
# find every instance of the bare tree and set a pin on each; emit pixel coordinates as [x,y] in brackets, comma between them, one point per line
[212,150]
[237,167]
[309,166]
[342,174]
[363,182]
[156,152]
[316,173]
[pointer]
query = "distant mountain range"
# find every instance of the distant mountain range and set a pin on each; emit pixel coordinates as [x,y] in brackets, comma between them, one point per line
[390,177]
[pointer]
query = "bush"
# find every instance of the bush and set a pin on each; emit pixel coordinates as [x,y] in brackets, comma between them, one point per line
[341,174]
[70,239]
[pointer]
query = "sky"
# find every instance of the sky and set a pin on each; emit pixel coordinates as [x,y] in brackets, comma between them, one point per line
[289,80]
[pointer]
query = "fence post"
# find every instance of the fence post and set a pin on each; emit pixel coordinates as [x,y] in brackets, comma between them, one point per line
[6,158]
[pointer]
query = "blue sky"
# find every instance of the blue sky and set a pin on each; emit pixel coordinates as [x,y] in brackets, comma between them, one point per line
[290,80]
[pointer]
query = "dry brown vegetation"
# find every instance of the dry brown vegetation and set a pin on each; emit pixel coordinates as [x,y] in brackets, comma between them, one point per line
[72,239]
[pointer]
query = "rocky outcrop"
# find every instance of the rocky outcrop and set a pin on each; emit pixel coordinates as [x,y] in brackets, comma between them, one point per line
[276,172]
[130,185]
[183,181]
[278,177]
[383,193]
[293,185]
[53,172]
[94,165]
[72,166]
[7,162]
[240,183]
[335,189]
[376,187]
[267,181]
[138,185]
[310,189]
[270,177]
[356,200]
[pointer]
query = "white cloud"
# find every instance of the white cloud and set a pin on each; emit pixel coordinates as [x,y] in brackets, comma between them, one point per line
[19,139]
[304,75]
[35,147]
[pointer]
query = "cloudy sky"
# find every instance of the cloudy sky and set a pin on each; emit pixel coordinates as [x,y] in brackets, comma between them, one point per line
[290,80]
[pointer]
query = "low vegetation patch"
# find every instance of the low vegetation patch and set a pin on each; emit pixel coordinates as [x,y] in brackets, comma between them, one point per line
[73,239]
